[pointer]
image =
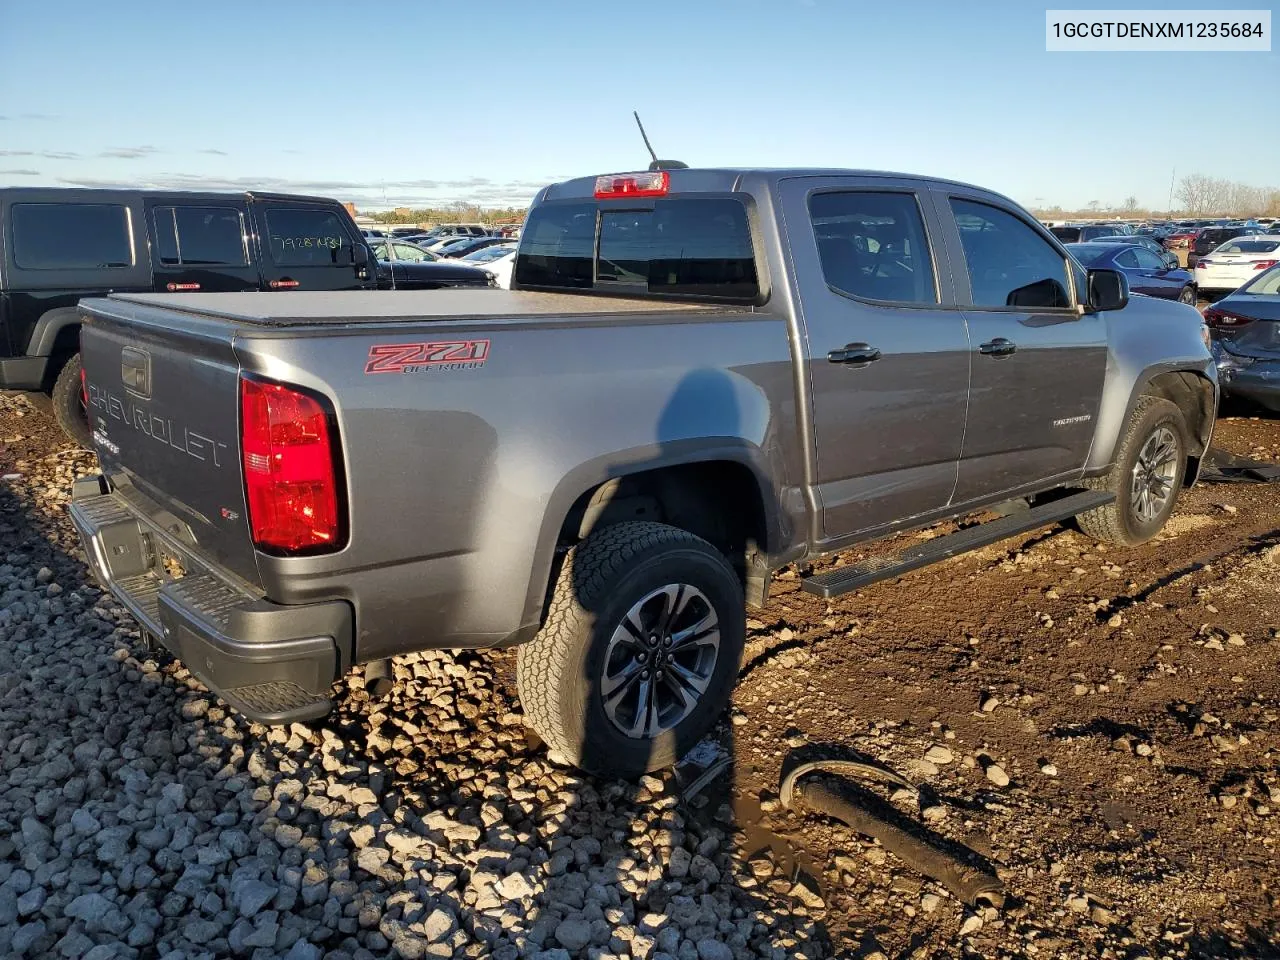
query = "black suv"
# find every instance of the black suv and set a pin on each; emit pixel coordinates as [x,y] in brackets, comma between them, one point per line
[58,245]
[1209,239]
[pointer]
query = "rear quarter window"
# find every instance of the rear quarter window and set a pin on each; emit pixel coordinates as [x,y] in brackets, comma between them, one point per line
[71,236]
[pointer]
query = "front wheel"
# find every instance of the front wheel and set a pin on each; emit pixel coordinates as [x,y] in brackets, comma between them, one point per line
[639,652]
[1151,461]
[67,399]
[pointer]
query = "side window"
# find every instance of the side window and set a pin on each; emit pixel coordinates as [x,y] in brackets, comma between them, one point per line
[407,251]
[301,237]
[380,250]
[1009,264]
[1127,258]
[873,245]
[200,236]
[71,236]
[1147,260]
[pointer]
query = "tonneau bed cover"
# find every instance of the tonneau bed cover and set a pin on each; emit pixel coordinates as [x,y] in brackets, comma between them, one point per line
[306,307]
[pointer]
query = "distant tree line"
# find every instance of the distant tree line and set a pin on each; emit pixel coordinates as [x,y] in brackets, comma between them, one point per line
[457,212]
[1198,195]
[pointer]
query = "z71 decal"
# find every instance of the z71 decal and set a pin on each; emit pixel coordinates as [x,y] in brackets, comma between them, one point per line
[427,357]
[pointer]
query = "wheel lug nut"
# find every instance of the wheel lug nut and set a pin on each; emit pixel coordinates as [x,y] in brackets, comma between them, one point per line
[666,642]
[644,674]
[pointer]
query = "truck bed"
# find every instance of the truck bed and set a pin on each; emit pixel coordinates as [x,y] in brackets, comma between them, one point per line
[310,307]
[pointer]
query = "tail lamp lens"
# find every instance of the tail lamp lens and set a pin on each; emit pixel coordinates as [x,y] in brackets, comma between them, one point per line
[290,471]
[1219,319]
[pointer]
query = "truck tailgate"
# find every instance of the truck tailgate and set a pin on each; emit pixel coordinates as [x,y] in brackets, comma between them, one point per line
[163,395]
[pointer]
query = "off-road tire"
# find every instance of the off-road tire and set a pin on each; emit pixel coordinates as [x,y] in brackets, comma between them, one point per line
[68,408]
[1117,522]
[558,671]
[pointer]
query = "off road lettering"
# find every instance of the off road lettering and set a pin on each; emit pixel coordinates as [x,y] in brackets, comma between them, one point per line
[441,354]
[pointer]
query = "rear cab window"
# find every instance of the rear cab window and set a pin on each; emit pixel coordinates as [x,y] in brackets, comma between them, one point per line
[71,236]
[676,246]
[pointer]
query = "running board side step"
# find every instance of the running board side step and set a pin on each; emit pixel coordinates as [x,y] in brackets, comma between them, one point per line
[843,580]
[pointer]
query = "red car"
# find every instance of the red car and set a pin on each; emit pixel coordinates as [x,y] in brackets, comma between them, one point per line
[1182,237]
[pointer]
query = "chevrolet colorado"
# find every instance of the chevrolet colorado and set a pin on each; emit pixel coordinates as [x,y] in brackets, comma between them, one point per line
[698,376]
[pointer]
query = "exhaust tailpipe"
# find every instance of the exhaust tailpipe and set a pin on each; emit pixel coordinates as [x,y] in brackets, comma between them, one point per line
[377,679]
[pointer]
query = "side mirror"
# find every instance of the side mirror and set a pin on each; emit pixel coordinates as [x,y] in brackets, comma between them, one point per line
[360,254]
[1172,262]
[1108,290]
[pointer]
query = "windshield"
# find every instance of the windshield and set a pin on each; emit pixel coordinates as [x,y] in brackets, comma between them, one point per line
[1267,284]
[1066,234]
[1249,246]
[1089,253]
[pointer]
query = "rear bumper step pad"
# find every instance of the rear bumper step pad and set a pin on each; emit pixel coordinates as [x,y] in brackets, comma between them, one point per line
[274,663]
[834,583]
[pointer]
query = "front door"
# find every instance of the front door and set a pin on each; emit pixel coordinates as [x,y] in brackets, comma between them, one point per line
[307,246]
[1038,362]
[887,355]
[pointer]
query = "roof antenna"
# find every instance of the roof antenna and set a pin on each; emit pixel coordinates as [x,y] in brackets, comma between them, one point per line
[656,164]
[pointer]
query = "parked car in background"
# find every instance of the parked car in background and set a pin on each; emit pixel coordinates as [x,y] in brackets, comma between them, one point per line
[406,231]
[370,232]
[1236,262]
[439,245]
[457,230]
[1210,238]
[401,250]
[1245,327]
[1182,236]
[500,268]
[1146,271]
[1171,259]
[488,254]
[58,245]
[428,275]
[464,247]
[1083,233]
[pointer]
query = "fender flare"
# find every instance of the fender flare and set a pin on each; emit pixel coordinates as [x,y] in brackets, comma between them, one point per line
[50,324]
[590,475]
[1206,376]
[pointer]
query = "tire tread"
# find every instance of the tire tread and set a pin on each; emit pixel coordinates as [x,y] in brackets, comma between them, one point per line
[544,665]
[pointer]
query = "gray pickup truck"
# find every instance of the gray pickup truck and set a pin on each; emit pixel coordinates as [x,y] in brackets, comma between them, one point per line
[698,376]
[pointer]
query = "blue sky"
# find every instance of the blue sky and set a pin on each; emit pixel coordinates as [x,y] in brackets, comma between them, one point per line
[425,101]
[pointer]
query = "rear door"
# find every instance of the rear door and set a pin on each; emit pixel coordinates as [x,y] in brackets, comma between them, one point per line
[200,245]
[1154,275]
[1038,363]
[886,350]
[307,246]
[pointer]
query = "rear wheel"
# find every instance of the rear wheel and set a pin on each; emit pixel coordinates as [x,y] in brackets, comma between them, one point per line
[639,651]
[1188,295]
[67,399]
[1146,476]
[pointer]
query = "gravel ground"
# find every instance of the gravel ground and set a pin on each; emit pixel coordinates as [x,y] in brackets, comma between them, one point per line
[1099,727]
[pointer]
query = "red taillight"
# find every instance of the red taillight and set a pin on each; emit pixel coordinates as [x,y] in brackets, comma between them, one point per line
[655,183]
[177,287]
[1219,318]
[290,472]
[283,284]
[1265,264]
